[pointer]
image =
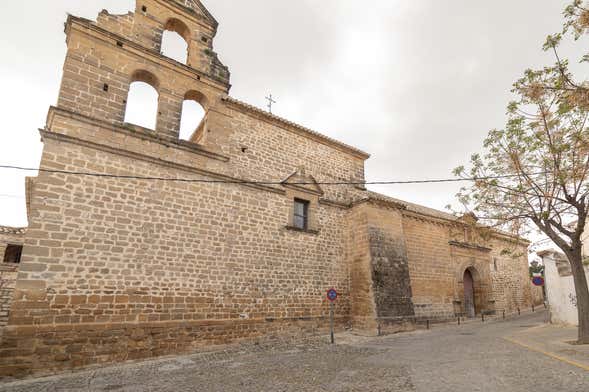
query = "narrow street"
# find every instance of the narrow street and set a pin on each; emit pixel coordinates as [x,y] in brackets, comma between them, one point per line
[472,357]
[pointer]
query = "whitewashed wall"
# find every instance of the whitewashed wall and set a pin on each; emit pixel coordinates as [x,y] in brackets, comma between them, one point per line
[560,288]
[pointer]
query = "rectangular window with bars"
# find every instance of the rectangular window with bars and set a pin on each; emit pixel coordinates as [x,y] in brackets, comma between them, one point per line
[301,214]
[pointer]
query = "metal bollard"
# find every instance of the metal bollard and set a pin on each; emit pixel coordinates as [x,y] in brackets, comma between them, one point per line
[458,320]
[519,312]
[533,309]
[379,329]
[504,314]
[483,317]
[427,324]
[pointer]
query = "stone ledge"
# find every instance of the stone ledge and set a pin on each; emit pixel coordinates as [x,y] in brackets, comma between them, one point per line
[469,246]
[307,231]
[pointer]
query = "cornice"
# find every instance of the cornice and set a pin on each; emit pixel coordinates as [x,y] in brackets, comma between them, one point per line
[469,246]
[144,135]
[46,134]
[429,218]
[134,131]
[380,203]
[335,204]
[436,219]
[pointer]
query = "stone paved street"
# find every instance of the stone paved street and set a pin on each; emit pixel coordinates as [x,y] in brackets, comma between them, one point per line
[472,357]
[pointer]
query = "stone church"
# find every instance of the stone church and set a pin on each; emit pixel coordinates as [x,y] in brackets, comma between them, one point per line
[141,244]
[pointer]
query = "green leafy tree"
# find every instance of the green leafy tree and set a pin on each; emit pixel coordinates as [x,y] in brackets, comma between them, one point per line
[533,172]
[536,268]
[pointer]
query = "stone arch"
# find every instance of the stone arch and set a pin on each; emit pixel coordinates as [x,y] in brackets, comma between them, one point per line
[176,39]
[470,294]
[193,117]
[142,103]
[179,27]
[479,289]
[470,267]
[147,77]
[194,95]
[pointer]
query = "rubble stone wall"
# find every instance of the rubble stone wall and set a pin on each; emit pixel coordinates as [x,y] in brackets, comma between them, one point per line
[8,271]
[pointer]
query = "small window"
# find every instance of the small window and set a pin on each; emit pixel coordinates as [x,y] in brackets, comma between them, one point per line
[13,254]
[301,214]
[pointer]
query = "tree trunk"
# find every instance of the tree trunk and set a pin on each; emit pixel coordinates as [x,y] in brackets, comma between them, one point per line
[582,291]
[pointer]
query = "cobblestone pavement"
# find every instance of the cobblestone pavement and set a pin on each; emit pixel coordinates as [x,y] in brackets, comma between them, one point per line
[472,357]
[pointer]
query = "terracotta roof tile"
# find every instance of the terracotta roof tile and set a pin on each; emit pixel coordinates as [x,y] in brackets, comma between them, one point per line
[13,230]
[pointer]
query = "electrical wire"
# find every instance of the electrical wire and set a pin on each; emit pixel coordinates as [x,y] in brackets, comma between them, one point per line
[248,182]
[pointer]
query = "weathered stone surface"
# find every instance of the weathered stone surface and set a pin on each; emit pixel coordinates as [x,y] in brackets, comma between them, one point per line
[8,271]
[123,267]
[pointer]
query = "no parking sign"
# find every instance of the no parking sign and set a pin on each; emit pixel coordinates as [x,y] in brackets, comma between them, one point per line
[332,295]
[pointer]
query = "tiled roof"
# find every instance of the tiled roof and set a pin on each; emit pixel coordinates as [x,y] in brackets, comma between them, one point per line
[13,230]
[299,127]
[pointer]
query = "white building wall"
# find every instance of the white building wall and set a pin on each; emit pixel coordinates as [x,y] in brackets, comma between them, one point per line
[560,289]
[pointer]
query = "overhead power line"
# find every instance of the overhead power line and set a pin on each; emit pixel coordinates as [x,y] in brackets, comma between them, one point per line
[248,182]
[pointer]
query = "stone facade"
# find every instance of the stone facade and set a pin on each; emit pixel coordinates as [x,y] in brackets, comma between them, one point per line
[132,266]
[9,236]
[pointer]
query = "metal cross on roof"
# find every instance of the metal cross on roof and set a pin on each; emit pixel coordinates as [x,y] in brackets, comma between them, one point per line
[270,102]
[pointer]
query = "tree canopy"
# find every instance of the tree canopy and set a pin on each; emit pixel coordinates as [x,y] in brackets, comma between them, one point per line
[533,171]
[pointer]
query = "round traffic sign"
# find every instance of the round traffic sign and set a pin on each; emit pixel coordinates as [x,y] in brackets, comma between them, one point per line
[538,281]
[332,295]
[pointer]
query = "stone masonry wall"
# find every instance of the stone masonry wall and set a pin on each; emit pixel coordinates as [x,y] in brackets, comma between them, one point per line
[271,152]
[511,276]
[118,252]
[437,268]
[146,28]
[125,268]
[260,147]
[116,269]
[430,266]
[8,271]
[95,60]
[8,275]
[379,273]
[390,270]
[363,308]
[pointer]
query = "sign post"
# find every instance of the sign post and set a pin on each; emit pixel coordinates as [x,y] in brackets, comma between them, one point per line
[331,296]
[538,280]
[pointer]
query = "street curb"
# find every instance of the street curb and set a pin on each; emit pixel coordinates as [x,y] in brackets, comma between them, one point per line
[547,353]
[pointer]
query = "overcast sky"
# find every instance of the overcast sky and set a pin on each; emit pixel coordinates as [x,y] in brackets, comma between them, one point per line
[416,83]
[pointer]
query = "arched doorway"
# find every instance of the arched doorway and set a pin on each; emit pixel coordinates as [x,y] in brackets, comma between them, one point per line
[469,300]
